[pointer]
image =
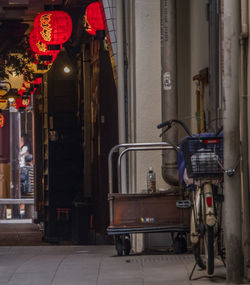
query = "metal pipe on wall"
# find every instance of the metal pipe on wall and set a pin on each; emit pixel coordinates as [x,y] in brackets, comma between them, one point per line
[244,18]
[14,160]
[121,80]
[232,185]
[244,129]
[121,84]
[169,86]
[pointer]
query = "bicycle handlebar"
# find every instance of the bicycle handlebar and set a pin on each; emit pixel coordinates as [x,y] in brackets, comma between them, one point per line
[169,125]
[166,123]
[170,122]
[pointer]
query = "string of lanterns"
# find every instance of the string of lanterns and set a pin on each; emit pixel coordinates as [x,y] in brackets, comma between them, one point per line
[51,29]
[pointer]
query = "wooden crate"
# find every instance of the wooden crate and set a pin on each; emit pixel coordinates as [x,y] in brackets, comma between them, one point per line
[148,210]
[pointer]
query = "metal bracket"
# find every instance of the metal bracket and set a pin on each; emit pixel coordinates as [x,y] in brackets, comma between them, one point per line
[183,204]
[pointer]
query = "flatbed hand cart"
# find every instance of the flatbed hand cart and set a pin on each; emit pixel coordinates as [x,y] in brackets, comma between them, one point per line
[143,212]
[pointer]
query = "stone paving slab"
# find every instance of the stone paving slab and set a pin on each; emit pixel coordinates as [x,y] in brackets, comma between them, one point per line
[96,265]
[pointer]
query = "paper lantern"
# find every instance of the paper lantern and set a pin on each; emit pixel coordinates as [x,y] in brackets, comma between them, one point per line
[41,48]
[3,104]
[4,88]
[53,27]
[30,86]
[2,120]
[39,68]
[21,103]
[94,16]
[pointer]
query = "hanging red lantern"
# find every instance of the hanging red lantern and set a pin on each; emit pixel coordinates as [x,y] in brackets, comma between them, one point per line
[21,103]
[2,120]
[3,104]
[29,86]
[35,83]
[95,17]
[41,48]
[53,27]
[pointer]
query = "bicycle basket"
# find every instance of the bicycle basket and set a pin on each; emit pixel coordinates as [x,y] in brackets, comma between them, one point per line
[203,157]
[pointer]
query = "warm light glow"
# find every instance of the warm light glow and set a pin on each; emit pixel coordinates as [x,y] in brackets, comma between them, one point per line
[66,69]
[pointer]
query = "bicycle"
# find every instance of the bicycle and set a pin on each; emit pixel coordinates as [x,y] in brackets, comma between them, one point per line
[200,158]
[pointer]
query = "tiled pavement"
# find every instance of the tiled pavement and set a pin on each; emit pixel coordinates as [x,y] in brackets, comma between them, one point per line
[95,265]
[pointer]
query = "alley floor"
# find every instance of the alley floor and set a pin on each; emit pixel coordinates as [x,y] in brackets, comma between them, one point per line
[96,265]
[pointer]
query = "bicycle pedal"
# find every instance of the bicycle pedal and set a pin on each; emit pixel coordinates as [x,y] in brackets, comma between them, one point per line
[183,204]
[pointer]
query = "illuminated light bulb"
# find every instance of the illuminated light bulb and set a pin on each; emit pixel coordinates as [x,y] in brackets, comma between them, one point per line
[11,100]
[66,69]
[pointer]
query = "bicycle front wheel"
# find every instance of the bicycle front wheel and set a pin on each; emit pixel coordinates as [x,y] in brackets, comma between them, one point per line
[209,244]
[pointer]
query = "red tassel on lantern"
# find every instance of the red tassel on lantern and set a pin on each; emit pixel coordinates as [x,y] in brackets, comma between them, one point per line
[53,27]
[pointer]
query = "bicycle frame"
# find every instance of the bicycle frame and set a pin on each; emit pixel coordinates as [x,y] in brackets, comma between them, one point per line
[203,157]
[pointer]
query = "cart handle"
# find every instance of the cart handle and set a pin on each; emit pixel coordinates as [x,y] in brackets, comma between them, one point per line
[163,147]
[126,145]
[110,170]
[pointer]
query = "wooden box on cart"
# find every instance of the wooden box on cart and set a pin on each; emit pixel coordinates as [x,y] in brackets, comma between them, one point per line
[148,210]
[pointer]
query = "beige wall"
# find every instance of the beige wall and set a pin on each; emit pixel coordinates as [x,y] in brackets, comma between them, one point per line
[148,87]
[198,47]
[144,79]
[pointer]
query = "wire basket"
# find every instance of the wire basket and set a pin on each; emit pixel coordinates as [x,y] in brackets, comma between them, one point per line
[203,157]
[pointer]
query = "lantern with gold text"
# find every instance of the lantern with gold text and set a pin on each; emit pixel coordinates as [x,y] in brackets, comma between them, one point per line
[38,69]
[22,103]
[53,27]
[41,49]
[95,17]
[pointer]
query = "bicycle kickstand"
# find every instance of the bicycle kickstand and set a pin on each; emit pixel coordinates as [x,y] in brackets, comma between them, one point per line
[191,274]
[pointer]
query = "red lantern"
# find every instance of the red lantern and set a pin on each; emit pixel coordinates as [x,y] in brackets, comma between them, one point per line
[2,120]
[40,47]
[21,103]
[94,16]
[53,27]
[37,81]
[30,86]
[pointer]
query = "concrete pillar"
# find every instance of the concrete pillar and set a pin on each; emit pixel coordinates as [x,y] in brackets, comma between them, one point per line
[232,185]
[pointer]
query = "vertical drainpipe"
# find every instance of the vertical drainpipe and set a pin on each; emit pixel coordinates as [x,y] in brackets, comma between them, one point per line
[232,185]
[244,129]
[15,127]
[169,86]
[121,82]
[120,67]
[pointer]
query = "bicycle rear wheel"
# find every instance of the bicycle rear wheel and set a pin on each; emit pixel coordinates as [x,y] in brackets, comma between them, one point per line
[209,244]
[197,249]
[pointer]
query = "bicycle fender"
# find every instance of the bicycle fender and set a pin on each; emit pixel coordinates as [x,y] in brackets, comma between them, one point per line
[209,205]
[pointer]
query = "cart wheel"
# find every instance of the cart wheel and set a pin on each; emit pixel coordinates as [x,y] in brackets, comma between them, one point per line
[119,247]
[127,246]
